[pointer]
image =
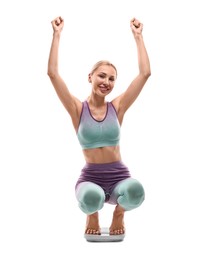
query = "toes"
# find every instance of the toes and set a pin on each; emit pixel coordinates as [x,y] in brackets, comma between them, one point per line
[117,232]
[92,231]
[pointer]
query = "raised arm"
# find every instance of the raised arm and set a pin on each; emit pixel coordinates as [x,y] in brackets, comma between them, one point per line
[125,100]
[71,103]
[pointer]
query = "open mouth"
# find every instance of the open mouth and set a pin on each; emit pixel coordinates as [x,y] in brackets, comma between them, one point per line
[104,89]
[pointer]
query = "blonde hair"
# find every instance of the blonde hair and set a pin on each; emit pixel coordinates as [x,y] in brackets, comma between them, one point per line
[100,63]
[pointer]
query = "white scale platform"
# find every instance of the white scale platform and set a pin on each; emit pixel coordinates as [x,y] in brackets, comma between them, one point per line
[104,237]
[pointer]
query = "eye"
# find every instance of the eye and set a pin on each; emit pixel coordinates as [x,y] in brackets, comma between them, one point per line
[111,79]
[102,76]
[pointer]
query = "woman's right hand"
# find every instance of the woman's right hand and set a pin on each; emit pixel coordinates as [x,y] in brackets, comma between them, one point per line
[57,24]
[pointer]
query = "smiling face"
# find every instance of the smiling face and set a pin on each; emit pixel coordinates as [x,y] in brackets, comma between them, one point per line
[103,79]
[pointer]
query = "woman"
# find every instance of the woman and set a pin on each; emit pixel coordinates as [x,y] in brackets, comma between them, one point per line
[104,178]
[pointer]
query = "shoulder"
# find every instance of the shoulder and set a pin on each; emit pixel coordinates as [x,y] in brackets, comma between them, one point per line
[118,108]
[116,102]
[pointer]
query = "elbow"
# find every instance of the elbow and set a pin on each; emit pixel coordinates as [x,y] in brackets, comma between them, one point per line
[146,74]
[145,71]
[52,70]
[51,74]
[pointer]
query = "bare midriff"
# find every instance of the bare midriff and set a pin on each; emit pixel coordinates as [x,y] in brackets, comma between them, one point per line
[106,154]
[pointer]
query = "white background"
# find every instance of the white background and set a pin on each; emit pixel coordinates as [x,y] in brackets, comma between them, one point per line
[41,159]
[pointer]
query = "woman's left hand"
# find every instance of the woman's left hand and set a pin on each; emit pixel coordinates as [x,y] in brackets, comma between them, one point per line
[136,26]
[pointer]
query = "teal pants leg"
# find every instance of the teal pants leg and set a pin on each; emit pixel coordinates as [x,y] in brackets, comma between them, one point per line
[90,196]
[129,194]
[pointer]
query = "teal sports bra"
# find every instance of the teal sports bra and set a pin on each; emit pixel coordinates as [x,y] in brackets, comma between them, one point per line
[94,133]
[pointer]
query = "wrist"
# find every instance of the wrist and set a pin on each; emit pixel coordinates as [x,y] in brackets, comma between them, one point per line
[138,37]
[56,34]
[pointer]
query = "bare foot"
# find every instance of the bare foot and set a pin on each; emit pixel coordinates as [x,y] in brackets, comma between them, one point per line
[117,225]
[92,225]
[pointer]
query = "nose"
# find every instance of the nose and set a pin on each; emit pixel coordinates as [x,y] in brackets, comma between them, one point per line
[106,81]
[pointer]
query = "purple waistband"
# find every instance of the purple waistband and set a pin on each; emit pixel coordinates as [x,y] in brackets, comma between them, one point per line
[105,166]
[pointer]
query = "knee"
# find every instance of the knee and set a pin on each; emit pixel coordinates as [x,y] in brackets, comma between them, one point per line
[91,201]
[132,195]
[135,193]
[92,198]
